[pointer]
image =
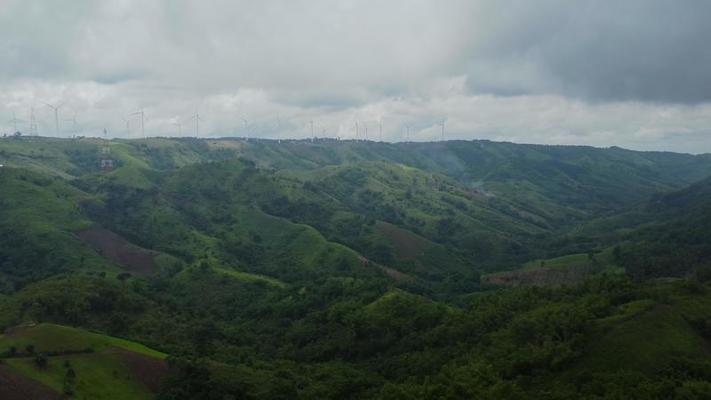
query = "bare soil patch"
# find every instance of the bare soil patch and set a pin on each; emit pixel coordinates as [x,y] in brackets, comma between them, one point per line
[149,371]
[397,275]
[117,249]
[14,386]
[537,277]
[18,331]
[406,245]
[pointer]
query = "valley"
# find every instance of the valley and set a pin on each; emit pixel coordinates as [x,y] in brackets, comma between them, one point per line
[352,269]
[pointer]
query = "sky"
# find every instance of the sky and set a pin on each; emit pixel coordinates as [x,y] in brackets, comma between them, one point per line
[633,73]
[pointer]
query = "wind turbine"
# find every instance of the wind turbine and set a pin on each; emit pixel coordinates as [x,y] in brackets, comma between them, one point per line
[357,133]
[246,131]
[56,115]
[442,125]
[408,132]
[73,120]
[128,125]
[33,122]
[143,117]
[14,121]
[197,119]
[380,129]
[180,127]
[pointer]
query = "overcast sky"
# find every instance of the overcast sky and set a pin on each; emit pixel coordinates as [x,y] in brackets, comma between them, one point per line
[633,73]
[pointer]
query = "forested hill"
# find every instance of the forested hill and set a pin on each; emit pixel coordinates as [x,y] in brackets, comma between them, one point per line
[674,240]
[557,182]
[350,269]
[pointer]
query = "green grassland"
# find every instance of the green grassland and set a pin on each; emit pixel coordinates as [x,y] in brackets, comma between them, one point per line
[100,372]
[39,216]
[603,260]
[52,338]
[98,376]
[347,269]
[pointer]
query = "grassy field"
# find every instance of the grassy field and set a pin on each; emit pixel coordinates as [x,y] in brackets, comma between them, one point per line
[98,376]
[601,260]
[247,277]
[52,338]
[99,362]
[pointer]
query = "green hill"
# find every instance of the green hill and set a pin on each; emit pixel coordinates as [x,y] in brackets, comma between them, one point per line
[82,364]
[350,269]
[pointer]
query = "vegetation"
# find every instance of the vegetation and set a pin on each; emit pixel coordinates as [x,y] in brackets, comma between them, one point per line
[342,269]
[76,362]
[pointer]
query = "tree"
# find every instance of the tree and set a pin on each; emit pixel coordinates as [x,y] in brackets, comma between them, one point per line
[41,360]
[123,276]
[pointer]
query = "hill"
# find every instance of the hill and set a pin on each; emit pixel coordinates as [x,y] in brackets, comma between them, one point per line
[675,242]
[344,269]
[67,361]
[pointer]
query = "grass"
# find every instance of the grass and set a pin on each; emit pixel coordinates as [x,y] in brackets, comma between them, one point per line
[98,376]
[41,200]
[298,244]
[100,372]
[626,312]
[247,277]
[601,260]
[52,338]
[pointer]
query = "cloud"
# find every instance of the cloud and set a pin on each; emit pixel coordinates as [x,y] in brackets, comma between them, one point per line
[642,50]
[634,73]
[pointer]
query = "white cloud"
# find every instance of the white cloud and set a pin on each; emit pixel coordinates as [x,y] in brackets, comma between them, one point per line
[544,72]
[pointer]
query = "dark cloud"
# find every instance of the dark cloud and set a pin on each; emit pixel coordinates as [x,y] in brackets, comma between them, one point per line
[633,73]
[644,50]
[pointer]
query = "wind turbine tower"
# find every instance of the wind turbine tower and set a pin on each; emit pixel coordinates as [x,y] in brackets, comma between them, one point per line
[142,114]
[196,117]
[33,122]
[128,125]
[56,115]
[180,128]
[73,120]
[14,121]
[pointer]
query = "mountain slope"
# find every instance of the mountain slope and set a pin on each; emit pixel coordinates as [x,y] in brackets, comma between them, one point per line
[74,362]
[333,269]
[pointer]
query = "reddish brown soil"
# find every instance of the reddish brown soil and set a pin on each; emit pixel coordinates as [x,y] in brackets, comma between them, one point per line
[397,275]
[405,245]
[149,371]
[14,386]
[18,331]
[537,277]
[117,249]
